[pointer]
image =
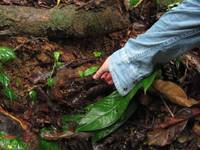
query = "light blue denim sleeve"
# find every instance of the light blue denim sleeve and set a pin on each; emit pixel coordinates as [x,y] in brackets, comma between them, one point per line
[174,33]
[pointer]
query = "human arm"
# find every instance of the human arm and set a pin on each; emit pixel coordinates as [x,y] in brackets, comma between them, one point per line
[173,34]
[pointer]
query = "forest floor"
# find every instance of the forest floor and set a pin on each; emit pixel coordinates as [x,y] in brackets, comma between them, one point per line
[157,122]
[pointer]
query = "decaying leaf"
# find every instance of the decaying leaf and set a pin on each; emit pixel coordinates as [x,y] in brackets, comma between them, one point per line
[174,93]
[196,129]
[162,137]
[182,115]
[52,134]
[193,60]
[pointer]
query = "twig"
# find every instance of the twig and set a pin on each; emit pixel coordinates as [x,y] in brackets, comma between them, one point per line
[23,124]
[171,113]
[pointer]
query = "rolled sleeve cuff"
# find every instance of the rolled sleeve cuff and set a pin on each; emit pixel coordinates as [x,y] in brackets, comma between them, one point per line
[126,74]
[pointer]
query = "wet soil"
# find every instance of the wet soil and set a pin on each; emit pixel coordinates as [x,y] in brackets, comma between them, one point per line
[71,93]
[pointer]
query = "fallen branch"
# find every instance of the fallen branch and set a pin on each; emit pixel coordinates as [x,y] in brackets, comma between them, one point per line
[62,22]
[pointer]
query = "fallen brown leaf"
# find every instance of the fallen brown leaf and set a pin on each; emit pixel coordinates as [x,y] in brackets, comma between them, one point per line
[193,60]
[180,116]
[196,129]
[170,122]
[162,137]
[174,93]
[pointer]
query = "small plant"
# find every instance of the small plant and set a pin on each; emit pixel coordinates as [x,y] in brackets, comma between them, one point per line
[33,95]
[9,142]
[97,53]
[50,82]
[89,71]
[6,55]
[56,65]
[106,115]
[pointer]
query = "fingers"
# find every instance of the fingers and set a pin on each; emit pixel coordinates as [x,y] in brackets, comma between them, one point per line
[103,73]
[99,73]
[107,77]
[110,82]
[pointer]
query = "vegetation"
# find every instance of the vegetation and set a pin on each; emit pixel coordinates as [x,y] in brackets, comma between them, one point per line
[11,143]
[89,71]
[109,113]
[56,65]
[6,55]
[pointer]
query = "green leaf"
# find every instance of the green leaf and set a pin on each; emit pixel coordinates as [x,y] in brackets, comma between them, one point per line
[6,54]
[48,145]
[50,82]
[56,56]
[9,93]
[4,80]
[90,71]
[59,64]
[81,74]
[100,134]
[33,95]
[97,54]
[7,142]
[108,110]
[146,83]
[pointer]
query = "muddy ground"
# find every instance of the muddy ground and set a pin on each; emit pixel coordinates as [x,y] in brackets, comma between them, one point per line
[71,93]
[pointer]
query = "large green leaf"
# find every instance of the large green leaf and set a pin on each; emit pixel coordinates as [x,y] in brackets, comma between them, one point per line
[147,82]
[6,54]
[108,110]
[105,112]
[4,80]
[100,134]
[8,142]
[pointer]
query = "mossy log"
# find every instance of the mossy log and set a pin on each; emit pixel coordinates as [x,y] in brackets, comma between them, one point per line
[62,22]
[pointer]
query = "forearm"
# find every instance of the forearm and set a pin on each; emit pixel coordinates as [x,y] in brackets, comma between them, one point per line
[176,32]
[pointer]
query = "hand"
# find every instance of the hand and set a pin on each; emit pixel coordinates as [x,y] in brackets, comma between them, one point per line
[104,73]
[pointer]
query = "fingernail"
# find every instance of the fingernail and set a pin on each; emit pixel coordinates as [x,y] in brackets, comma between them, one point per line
[94,76]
